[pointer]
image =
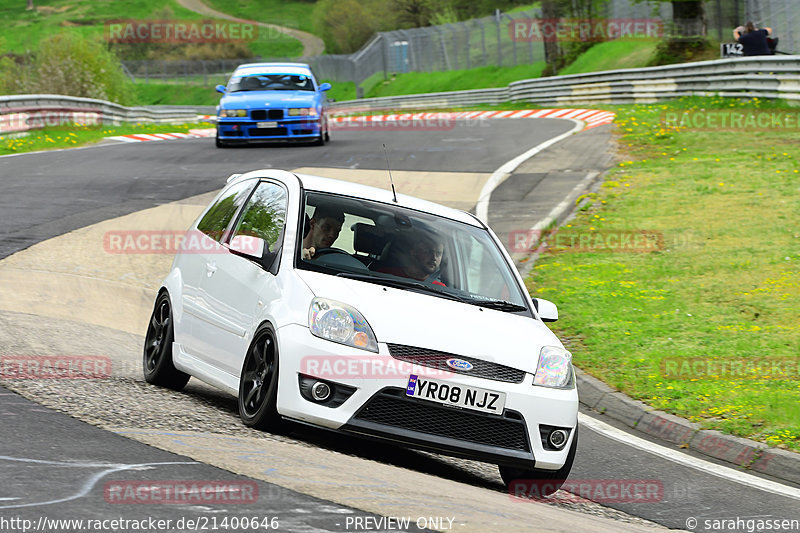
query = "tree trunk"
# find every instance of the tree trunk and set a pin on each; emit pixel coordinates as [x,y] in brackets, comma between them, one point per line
[552,55]
[689,18]
[30,6]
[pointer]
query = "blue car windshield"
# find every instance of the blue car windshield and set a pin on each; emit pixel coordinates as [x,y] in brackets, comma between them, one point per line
[271,82]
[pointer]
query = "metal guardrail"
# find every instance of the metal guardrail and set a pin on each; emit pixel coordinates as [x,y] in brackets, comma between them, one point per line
[760,77]
[768,77]
[21,113]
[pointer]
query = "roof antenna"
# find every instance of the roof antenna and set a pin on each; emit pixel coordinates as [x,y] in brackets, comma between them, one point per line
[390,173]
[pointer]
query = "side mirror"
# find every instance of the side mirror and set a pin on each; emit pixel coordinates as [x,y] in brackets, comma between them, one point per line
[548,311]
[220,89]
[325,87]
[248,246]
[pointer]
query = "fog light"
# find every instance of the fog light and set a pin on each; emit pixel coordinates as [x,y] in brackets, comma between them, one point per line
[320,391]
[558,438]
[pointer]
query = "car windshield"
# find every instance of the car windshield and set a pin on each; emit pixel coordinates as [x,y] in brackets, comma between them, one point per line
[270,82]
[395,246]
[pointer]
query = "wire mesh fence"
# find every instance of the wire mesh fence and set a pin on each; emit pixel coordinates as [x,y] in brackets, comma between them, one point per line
[485,41]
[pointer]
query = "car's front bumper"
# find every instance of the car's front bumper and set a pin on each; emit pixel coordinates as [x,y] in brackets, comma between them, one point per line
[242,130]
[380,409]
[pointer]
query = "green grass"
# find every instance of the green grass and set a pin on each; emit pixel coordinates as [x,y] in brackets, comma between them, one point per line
[454,80]
[22,29]
[725,286]
[169,94]
[75,135]
[291,14]
[611,55]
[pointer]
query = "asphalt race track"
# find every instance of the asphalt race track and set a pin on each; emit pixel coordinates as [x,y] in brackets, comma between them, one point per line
[56,466]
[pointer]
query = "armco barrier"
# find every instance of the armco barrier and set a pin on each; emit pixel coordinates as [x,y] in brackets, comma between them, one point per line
[33,111]
[769,77]
[761,77]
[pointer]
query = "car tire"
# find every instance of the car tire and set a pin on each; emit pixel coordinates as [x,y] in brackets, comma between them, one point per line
[327,134]
[547,482]
[320,141]
[218,142]
[258,384]
[157,358]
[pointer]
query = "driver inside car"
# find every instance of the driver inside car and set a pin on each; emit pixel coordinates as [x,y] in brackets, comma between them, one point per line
[323,230]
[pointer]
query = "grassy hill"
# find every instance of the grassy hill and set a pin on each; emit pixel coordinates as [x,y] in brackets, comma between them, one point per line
[22,29]
[612,55]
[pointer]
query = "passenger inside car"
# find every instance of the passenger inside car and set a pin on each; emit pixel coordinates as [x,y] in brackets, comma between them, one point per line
[420,259]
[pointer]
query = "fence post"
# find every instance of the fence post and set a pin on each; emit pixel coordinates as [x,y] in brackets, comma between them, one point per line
[499,46]
[483,43]
[513,46]
[466,48]
[454,36]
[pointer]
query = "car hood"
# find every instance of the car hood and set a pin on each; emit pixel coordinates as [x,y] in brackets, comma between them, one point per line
[262,99]
[417,319]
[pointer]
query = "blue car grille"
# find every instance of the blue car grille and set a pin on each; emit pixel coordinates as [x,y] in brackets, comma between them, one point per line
[263,114]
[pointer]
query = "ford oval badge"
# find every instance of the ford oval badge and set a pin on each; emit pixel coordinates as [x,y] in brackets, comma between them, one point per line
[459,364]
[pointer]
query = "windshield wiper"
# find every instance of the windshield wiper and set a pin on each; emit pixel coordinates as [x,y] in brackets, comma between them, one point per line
[400,284]
[500,305]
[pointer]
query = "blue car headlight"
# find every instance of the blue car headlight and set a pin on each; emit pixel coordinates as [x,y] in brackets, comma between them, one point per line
[302,112]
[233,112]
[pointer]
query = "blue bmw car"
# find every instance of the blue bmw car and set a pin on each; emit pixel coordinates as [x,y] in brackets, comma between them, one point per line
[268,102]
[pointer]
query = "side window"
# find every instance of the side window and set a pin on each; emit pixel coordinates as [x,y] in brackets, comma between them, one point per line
[216,220]
[264,215]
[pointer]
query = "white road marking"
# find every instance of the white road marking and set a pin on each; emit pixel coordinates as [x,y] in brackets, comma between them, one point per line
[687,460]
[500,175]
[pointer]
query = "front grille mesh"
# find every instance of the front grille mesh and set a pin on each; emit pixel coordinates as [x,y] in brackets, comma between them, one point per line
[391,407]
[438,360]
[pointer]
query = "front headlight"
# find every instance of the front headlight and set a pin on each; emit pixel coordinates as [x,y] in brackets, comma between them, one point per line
[555,367]
[302,112]
[338,322]
[233,113]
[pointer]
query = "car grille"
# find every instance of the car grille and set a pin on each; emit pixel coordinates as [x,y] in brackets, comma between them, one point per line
[391,407]
[438,360]
[261,114]
[268,132]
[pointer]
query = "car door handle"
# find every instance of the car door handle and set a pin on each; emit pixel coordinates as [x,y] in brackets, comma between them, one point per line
[210,269]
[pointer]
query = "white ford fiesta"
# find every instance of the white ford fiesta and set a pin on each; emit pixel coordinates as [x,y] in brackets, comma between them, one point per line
[374,314]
